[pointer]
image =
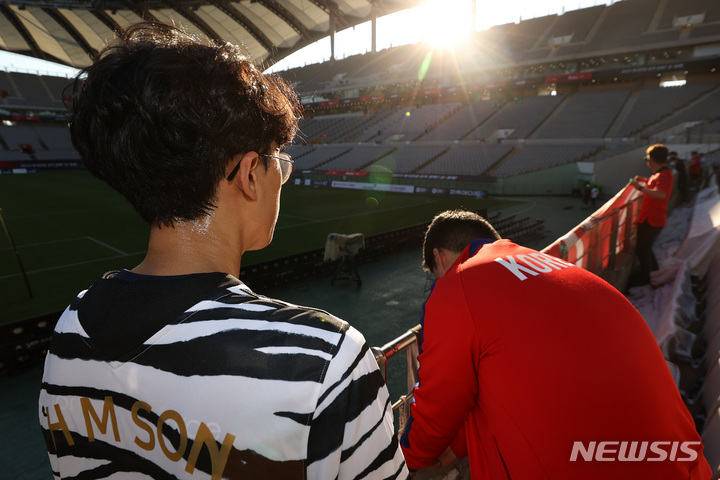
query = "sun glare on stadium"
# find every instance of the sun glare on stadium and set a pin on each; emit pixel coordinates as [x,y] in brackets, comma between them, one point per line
[446,23]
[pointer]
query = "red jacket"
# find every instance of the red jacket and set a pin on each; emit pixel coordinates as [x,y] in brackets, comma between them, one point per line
[652,210]
[537,359]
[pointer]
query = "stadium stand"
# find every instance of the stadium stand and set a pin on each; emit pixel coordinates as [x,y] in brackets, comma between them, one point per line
[54,137]
[654,103]
[537,157]
[623,23]
[332,128]
[680,9]
[56,156]
[522,116]
[407,158]
[609,150]
[702,109]
[713,158]
[584,115]
[462,122]
[602,61]
[572,28]
[491,47]
[17,135]
[298,151]
[702,31]
[522,40]
[14,156]
[32,91]
[470,160]
[357,158]
[696,132]
[315,157]
[409,123]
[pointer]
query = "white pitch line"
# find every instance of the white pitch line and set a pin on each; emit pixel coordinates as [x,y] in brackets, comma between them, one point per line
[70,212]
[107,246]
[40,244]
[345,216]
[298,217]
[41,270]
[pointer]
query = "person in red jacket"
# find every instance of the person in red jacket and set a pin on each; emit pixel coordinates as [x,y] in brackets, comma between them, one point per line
[653,212]
[538,369]
[696,169]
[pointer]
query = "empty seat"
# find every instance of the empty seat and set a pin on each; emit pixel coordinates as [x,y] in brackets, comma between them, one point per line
[711,442]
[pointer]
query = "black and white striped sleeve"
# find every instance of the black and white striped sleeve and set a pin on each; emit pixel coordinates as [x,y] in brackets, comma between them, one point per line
[352,433]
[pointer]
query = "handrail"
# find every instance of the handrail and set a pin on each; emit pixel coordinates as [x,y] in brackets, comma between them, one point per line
[604,249]
[407,342]
[596,242]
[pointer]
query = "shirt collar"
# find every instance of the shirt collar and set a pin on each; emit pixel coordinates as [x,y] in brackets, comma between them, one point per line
[477,244]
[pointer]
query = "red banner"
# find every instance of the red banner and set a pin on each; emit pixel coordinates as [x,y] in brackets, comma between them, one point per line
[372,98]
[495,84]
[426,92]
[589,244]
[346,173]
[38,164]
[25,117]
[568,77]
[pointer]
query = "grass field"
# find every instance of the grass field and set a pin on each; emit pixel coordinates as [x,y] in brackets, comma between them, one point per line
[69,228]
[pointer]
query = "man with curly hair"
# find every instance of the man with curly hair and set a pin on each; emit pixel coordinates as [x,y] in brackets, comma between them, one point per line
[175,368]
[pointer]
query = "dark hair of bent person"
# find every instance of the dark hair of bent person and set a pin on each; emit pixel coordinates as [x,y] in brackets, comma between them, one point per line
[453,230]
[160,114]
[658,152]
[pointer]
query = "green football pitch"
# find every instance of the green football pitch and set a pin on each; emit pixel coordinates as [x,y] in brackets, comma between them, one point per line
[69,228]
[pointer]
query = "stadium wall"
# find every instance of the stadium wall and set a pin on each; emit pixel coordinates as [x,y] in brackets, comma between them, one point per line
[560,180]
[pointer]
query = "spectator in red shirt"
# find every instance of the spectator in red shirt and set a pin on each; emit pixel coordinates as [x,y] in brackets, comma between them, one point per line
[538,369]
[696,169]
[653,213]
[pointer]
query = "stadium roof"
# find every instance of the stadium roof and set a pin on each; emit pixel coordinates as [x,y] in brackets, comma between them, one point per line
[72,32]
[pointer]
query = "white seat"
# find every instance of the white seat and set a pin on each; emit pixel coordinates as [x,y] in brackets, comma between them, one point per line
[675,371]
[711,442]
[711,389]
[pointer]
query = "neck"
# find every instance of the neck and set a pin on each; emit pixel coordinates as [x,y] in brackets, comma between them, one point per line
[190,246]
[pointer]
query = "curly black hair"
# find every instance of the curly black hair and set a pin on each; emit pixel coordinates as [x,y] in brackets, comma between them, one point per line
[160,114]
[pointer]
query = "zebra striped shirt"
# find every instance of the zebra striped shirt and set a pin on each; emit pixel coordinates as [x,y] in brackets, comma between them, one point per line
[198,377]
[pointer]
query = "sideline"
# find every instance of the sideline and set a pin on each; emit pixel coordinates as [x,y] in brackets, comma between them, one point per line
[59,267]
[532,205]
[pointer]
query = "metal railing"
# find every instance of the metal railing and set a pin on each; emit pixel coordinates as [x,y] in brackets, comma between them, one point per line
[408,343]
[610,236]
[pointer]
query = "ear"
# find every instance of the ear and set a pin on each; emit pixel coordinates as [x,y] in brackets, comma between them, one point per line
[440,256]
[444,259]
[246,177]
